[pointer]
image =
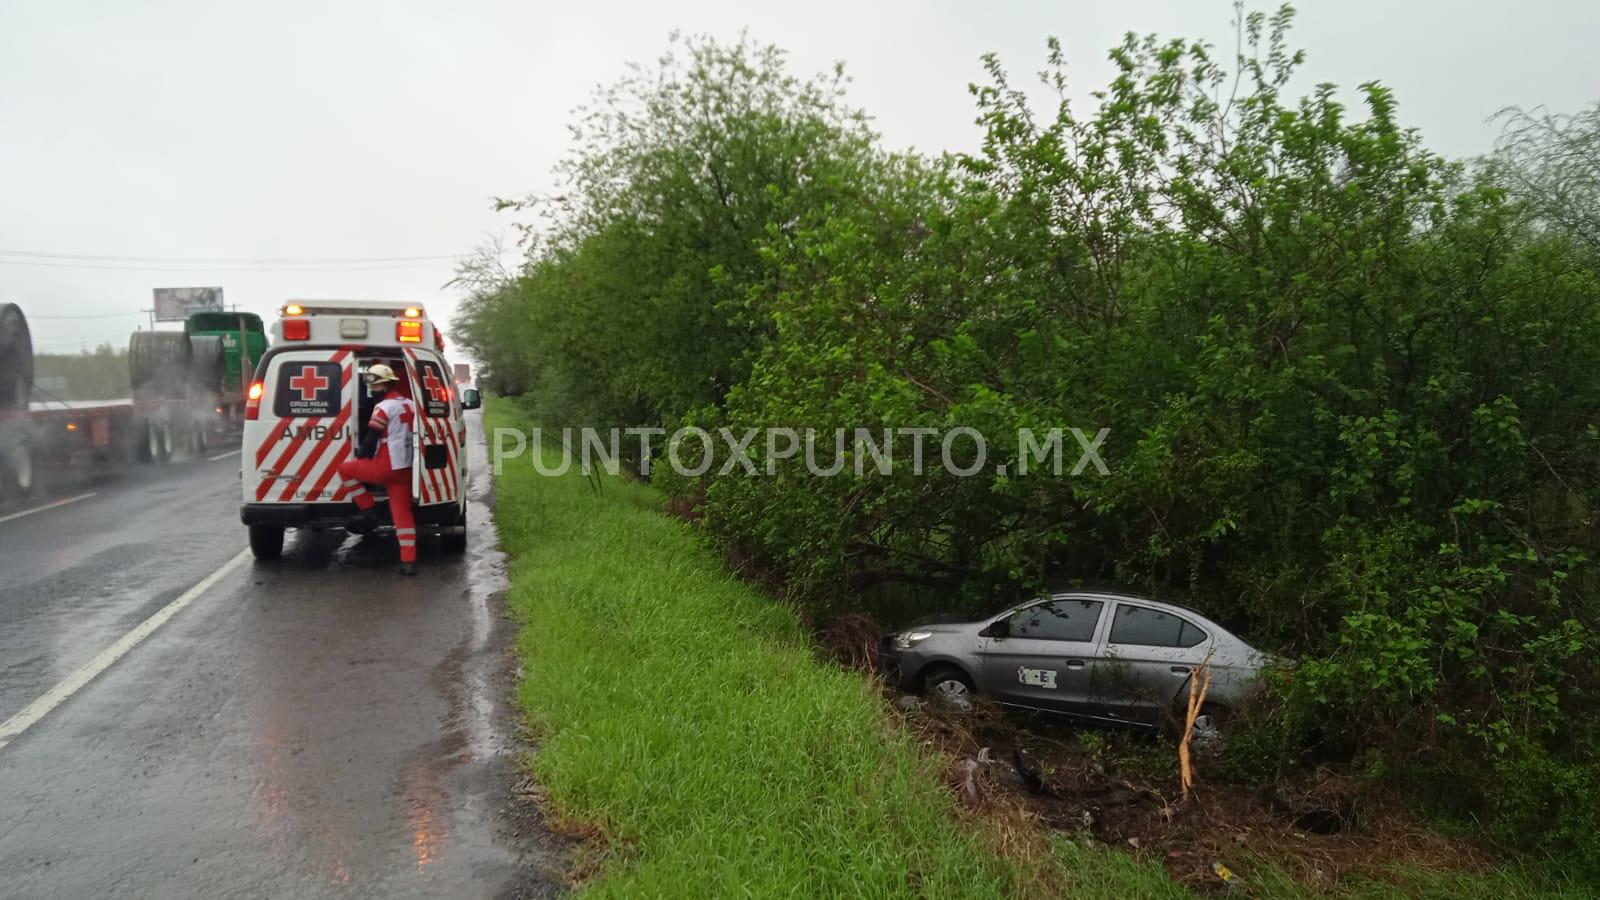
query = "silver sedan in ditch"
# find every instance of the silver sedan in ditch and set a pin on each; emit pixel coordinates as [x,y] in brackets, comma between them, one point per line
[1102,656]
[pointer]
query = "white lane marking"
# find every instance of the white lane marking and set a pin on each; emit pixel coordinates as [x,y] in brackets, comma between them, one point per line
[222,456]
[70,685]
[29,512]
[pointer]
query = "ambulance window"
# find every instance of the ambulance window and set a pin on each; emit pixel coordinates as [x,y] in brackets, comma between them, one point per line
[434,391]
[306,388]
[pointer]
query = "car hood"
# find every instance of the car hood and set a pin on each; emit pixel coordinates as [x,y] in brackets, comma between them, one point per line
[951,625]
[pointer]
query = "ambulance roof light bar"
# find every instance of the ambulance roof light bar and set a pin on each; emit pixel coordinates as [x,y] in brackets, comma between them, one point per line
[390,308]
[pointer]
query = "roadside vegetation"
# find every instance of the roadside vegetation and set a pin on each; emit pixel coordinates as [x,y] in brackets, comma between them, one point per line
[689,729]
[1352,391]
[99,374]
[685,716]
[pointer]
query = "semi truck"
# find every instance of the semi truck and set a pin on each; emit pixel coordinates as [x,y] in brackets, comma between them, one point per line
[178,404]
[244,342]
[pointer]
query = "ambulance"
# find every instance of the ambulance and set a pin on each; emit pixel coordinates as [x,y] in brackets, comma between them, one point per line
[307,405]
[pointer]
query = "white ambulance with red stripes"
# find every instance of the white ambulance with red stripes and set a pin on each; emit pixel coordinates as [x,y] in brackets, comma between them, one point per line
[307,406]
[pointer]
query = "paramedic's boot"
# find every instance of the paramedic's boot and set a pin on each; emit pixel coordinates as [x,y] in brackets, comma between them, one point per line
[408,568]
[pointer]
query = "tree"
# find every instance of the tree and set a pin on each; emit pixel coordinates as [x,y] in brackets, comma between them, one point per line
[1551,162]
[632,307]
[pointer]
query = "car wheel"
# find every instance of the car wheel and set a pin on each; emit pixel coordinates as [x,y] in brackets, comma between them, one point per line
[1210,728]
[949,688]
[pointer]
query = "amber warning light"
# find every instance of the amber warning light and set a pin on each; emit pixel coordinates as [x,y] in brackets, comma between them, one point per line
[252,401]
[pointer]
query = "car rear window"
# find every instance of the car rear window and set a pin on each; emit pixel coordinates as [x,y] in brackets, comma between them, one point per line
[1148,627]
[1058,620]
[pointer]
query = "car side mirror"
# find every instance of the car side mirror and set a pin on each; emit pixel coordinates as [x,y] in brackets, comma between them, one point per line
[999,628]
[471,399]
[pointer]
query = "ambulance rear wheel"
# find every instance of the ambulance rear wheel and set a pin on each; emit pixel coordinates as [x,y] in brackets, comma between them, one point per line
[455,540]
[266,541]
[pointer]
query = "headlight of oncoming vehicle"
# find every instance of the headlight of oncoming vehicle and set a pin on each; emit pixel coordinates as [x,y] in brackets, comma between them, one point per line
[905,640]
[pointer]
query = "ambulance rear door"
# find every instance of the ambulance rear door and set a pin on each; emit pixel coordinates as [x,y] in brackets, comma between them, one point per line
[303,430]
[435,476]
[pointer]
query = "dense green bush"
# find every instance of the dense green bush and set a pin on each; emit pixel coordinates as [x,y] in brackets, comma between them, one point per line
[1351,387]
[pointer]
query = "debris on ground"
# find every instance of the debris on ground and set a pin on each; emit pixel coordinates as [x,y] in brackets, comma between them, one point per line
[1061,775]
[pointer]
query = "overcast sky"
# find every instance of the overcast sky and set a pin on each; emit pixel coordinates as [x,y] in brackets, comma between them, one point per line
[338,130]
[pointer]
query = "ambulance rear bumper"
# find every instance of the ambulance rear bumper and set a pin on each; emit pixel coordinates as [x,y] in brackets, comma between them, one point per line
[337,515]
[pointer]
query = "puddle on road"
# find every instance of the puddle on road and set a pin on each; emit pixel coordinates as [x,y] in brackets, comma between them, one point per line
[486,580]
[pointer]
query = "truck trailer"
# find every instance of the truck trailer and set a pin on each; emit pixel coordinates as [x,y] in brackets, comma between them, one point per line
[177,405]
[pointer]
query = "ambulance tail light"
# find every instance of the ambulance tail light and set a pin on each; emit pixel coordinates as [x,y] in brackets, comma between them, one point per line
[408,331]
[297,329]
[252,401]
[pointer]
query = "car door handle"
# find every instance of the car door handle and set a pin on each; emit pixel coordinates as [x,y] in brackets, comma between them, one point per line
[1180,670]
[1074,663]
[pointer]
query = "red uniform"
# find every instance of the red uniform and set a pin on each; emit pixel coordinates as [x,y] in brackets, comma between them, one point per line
[395,419]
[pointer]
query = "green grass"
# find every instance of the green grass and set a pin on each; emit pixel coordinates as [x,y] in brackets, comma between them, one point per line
[686,717]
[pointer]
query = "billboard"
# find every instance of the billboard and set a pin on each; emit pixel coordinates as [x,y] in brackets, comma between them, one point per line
[175,304]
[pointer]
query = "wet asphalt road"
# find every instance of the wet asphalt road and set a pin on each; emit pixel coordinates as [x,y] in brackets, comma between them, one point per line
[315,727]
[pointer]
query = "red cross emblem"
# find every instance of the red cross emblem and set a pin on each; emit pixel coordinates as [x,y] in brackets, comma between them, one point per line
[309,383]
[437,392]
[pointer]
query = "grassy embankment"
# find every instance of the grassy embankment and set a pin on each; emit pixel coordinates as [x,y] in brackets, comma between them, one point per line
[686,717]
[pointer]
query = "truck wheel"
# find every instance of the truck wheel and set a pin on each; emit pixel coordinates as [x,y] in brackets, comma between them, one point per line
[157,442]
[455,541]
[200,442]
[17,470]
[266,541]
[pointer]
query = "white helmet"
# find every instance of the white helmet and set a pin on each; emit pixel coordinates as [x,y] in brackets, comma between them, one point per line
[380,374]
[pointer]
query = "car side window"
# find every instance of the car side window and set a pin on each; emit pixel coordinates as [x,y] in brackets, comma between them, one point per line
[1146,627]
[1058,620]
[1192,634]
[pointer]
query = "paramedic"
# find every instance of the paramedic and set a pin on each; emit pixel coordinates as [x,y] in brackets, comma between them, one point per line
[384,458]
